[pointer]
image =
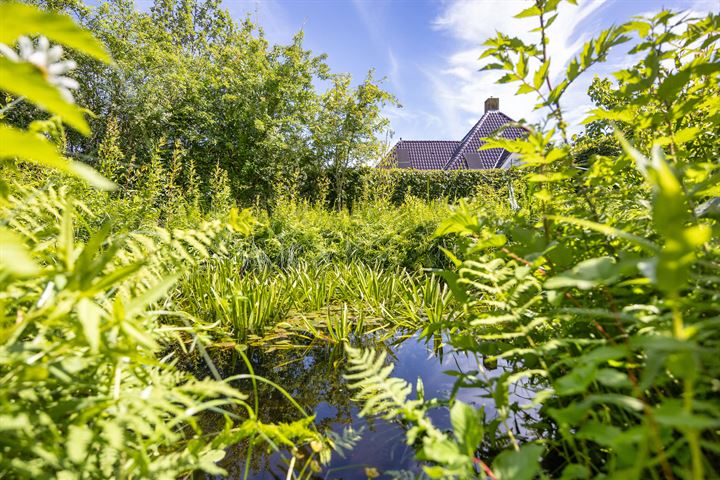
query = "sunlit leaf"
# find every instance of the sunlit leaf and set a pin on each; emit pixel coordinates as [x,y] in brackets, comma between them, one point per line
[15,258]
[90,316]
[587,274]
[533,11]
[18,19]
[26,80]
[523,464]
[78,441]
[467,423]
[31,147]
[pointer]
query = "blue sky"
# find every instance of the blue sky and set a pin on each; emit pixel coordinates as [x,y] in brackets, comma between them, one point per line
[428,50]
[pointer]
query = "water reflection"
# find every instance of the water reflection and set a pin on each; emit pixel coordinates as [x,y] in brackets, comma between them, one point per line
[314,377]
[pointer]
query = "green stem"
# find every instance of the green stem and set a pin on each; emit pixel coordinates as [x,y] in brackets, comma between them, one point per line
[692,435]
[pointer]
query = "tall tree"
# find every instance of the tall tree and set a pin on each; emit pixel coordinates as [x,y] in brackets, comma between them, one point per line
[349,123]
[186,71]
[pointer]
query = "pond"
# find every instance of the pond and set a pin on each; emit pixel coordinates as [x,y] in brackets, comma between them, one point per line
[314,377]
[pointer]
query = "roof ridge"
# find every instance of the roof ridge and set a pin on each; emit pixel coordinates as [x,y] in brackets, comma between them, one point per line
[438,141]
[471,134]
[465,139]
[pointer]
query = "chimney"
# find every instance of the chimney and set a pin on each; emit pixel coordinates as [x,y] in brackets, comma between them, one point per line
[492,103]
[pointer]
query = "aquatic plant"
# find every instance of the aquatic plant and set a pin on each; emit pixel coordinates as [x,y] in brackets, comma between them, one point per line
[85,390]
[599,289]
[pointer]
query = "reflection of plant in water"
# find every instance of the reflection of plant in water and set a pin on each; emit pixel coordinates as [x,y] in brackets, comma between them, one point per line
[599,292]
[310,372]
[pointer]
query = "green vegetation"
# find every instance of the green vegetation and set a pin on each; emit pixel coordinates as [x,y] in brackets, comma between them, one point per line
[184,72]
[139,303]
[85,391]
[601,292]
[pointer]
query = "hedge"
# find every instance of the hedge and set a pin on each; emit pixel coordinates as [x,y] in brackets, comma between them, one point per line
[364,182]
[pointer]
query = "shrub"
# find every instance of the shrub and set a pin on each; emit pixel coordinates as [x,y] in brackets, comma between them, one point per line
[601,292]
[84,312]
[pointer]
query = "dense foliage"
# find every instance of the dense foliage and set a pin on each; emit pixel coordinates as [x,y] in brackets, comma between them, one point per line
[85,391]
[589,273]
[184,72]
[602,291]
[451,185]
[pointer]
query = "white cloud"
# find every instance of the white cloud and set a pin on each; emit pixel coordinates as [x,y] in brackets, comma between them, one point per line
[415,123]
[373,16]
[461,89]
[394,75]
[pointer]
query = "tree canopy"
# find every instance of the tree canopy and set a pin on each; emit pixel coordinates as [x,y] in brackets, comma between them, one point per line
[185,71]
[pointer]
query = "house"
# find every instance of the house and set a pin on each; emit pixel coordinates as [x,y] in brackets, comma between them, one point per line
[463,154]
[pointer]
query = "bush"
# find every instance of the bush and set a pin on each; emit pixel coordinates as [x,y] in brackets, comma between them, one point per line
[600,294]
[395,184]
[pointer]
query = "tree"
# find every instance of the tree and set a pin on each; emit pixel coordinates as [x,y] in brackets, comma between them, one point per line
[348,126]
[186,71]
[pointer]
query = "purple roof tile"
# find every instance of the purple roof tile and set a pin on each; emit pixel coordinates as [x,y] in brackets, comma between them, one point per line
[452,155]
[424,154]
[467,154]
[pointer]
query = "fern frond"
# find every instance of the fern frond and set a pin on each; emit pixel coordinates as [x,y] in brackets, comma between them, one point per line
[383,395]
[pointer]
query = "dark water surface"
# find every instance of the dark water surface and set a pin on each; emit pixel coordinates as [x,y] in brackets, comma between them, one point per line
[314,378]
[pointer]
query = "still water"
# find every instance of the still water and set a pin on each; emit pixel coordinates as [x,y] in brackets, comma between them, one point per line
[314,378]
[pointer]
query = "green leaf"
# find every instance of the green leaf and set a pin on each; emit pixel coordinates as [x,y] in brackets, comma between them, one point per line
[548,177]
[673,414]
[90,316]
[451,256]
[15,259]
[150,296]
[599,433]
[467,425]
[31,147]
[114,434]
[587,275]
[533,11]
[90,262]
[457,289]
[521,66]
[26,80]
[17,19]
[209,459]
[686,134]
[115,277]
[524,88]
[489,240]
[577,381]
[639,26]
[242,221]
[66,237]
[523,464]
[671,86]
[540,75]
[575,471]
[78,441]
[671,213]
[608,230]
[613,378]
[444,452]
[462,221]
[90,175]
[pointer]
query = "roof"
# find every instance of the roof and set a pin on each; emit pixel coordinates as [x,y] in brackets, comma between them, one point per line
[424,154]
[453,155]
[468,154]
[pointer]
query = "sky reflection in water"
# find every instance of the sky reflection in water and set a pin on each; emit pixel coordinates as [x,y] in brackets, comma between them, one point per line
[314,378]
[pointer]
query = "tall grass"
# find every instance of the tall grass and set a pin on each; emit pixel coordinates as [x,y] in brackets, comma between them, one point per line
[334,297]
